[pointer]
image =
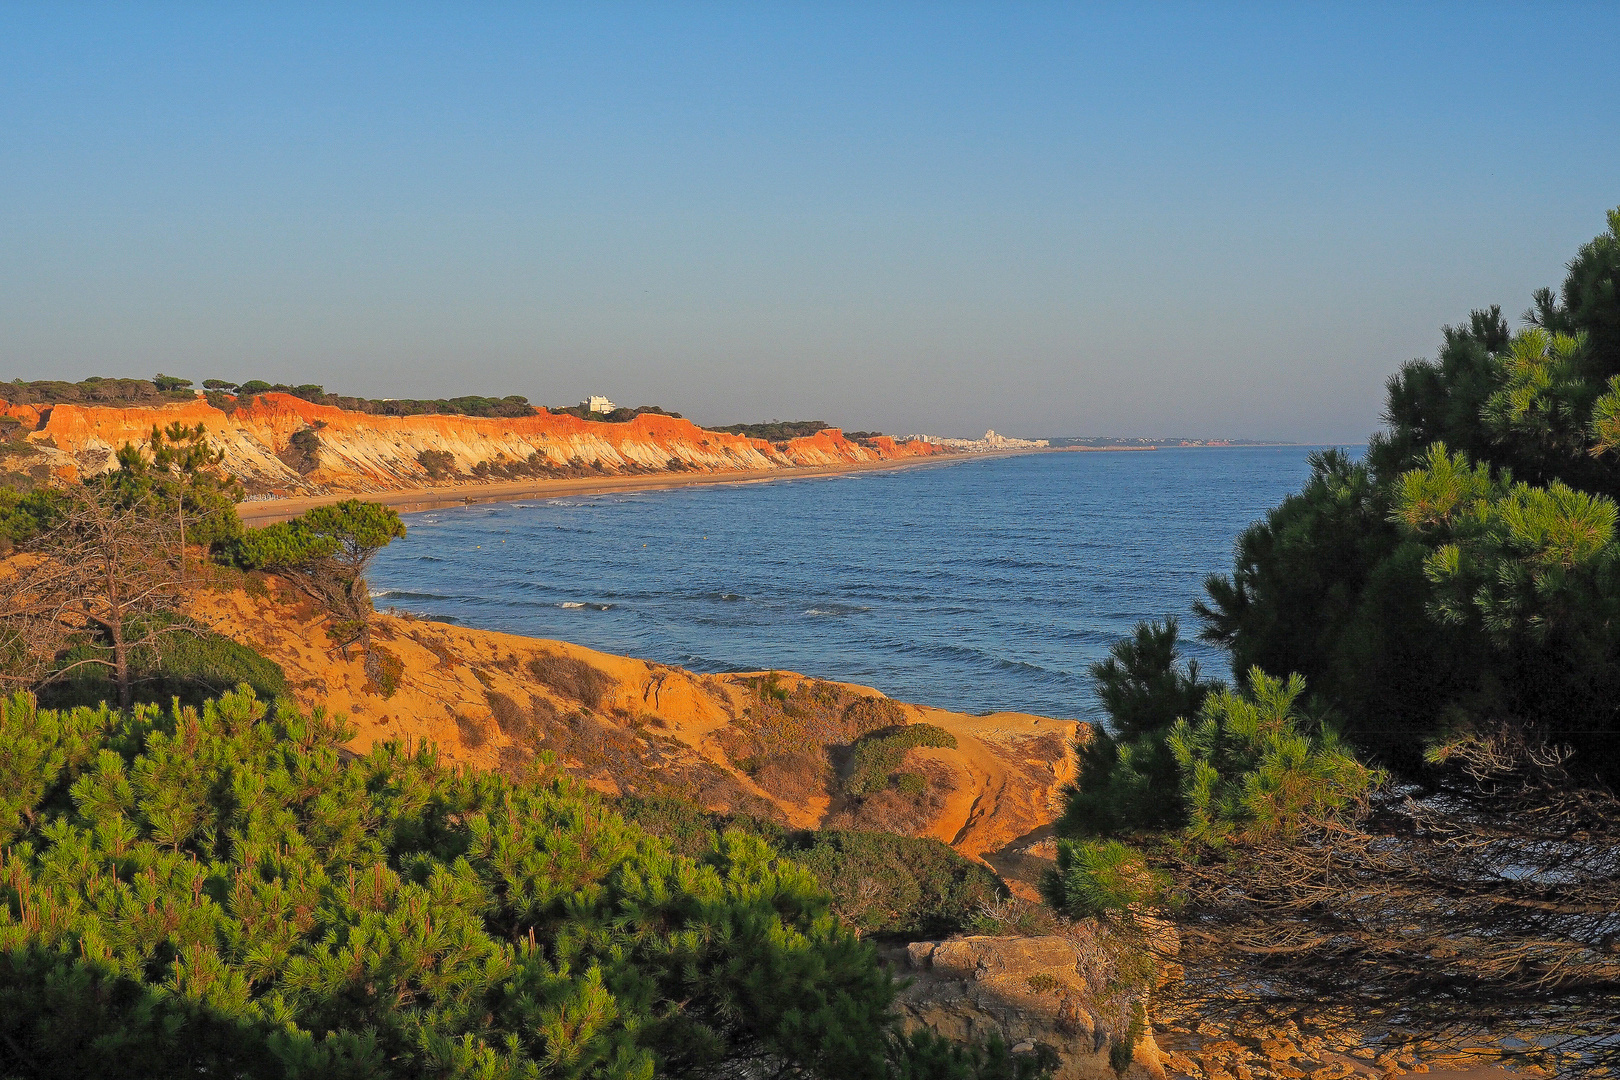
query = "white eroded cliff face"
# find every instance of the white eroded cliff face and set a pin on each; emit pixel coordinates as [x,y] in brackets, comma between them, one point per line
[358,452]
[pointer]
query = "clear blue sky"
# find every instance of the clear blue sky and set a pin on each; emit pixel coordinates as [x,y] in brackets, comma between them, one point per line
[1050,219]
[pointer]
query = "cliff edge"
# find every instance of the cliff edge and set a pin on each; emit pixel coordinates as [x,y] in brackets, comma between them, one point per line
[281,446]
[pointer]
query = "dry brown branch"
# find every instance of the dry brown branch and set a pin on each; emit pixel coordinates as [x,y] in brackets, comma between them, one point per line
[1485,907]
[98,577]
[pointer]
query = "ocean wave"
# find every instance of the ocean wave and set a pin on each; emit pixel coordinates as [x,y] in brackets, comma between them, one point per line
[574,604]
[405,594]
[837,609]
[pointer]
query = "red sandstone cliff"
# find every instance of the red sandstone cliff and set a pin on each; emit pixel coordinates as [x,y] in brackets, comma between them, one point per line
[359,452]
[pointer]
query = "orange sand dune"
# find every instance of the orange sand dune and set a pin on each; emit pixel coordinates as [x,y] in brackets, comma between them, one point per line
[362,453]
[636,727]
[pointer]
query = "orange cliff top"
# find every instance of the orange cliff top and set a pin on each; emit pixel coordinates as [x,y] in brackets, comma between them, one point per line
[360,452]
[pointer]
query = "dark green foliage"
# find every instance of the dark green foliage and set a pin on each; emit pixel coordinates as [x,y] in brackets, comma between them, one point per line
[877,755]
[926,1056]
[218,892]
[1121,1050]
[902,886]
[776,430]
[1327,586]
[1411,618]
[1127,779]
[326,553]
[1123,787]
[193,666]
[880,883]
[349,532]
[23,516]
[98,391]
[1142,685]
[91,391]
[1249,769]
[617,416]
[303,450]
[280,546]
[1100,878]
[1252,768]
[438,463]
[1589,302]
[185,475]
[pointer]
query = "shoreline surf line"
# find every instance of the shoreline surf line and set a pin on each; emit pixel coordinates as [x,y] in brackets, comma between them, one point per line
[412,500]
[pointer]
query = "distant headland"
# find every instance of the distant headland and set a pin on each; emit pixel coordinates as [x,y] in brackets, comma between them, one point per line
[292,447]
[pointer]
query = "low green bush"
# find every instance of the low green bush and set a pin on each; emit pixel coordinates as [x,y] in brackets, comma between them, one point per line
[776,430]
[225,892]
[877,755]
[883,884]
[192,664]
[438,463]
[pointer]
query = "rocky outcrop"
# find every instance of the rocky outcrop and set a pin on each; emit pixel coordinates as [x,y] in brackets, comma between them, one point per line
[1052,991]
[360,452]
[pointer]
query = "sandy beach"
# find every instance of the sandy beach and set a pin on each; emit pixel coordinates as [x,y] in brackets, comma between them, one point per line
[408,500]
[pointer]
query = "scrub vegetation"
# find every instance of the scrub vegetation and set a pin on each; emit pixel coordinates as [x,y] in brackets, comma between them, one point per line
[1402,809]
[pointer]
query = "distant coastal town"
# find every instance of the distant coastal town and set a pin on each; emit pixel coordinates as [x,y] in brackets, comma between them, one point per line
[993,441]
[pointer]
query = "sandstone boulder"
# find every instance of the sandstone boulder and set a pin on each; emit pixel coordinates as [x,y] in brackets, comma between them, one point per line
[1032,991]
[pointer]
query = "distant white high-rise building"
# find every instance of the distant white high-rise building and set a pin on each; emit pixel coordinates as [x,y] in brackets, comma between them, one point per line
[598,404]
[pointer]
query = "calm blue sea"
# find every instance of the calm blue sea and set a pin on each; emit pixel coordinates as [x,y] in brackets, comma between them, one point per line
[977,585]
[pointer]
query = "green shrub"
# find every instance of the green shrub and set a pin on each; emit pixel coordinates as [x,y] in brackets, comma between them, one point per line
[438,463]
[926,1056]
[193,665]
[880,883]
[878,754]
[1251,768]
[25,515]
[776,430]
[1123,787]
[383,671]
[909,783]
[221,892]
[1128,780]
[303,450]
[1100,878]
[1123,1049]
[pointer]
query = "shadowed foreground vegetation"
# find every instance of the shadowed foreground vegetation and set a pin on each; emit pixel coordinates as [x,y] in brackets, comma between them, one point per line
[1401,814]
[224,892]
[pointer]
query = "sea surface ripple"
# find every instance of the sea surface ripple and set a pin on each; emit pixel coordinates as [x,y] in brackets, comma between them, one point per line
[977,585]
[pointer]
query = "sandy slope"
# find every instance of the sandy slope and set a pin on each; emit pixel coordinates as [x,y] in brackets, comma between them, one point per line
[654,729]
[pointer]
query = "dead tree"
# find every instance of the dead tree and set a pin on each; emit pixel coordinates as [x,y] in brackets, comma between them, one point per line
[106,574]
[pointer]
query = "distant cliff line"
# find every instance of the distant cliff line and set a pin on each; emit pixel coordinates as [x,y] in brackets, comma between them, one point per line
[282,446]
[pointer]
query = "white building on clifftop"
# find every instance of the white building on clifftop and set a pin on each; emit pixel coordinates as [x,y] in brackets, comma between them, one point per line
[598,404]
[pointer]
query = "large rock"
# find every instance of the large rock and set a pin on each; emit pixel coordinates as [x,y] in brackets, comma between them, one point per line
[1031,991]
